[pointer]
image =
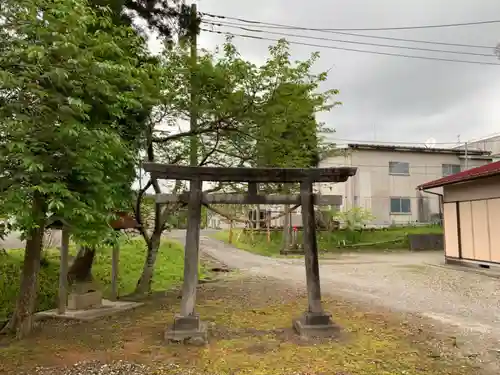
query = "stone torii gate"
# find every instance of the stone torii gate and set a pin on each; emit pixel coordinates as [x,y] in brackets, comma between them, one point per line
[315,321]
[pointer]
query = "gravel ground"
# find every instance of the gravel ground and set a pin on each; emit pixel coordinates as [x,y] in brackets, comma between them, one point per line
[112,368]
[461,304]
[124,368]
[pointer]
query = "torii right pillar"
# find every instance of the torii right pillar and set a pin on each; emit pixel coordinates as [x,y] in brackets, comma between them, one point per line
[315,322]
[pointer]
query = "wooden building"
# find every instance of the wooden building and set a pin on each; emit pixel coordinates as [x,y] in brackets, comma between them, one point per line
[471,212]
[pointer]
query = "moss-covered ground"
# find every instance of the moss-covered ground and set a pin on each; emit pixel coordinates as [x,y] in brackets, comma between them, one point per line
[250,323]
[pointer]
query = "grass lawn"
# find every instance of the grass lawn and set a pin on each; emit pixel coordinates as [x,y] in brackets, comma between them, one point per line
[389,239]
[250,334]
[168,272]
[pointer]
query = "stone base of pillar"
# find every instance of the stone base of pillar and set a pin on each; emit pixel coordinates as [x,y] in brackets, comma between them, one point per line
[188,330]
[292,251]
[311,325]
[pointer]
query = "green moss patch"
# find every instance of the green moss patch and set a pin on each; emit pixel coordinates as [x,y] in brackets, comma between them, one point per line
[251,333]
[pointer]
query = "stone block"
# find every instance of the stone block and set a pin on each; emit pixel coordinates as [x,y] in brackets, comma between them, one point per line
[317,319]
[292,252]
[182,323]
[84,301]
[311,325]
[84,287]
[187,330]
[423,242]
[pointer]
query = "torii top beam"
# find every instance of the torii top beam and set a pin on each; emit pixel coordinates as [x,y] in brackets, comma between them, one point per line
[251,175]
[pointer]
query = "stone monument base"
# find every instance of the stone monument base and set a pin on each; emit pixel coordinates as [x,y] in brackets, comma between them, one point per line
[312,325]
[85,301]
[108,308]
[84,295]
[187,330]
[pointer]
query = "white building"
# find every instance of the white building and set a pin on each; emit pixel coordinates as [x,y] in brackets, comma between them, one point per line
[388,175]
[490,143]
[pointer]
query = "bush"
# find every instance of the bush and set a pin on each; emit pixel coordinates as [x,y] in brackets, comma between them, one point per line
[10,277]
[168,272]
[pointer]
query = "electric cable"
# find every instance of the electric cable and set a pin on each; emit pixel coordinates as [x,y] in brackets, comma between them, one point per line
[354,29]
[358,42]
[224,23]
[353,49]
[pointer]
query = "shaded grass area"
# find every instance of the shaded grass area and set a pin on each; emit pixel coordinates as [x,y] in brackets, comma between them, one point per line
[168,272]
[341,241]
[250,334]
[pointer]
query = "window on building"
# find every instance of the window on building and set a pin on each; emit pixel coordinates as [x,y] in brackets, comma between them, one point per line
[399,168]
[449,169]
[400,205]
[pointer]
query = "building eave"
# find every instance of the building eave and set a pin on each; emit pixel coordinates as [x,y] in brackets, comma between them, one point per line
[484,171]
[426,150]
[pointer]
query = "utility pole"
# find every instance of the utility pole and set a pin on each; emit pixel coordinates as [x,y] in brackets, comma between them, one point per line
[466,157]
[193,123]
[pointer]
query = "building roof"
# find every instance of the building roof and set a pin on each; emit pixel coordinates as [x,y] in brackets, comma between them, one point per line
[487,170]
[481,139]
[422,149]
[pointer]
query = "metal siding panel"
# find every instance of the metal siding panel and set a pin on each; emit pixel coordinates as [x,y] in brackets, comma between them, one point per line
[494,228]
[480,227]
[451,230]
[466,231]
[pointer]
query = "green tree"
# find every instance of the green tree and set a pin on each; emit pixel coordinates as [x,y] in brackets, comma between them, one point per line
[69,80]
[288,129]
[241,108]
[222,105]
[161,16]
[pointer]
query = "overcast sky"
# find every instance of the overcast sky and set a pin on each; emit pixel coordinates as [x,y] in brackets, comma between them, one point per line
[389,98]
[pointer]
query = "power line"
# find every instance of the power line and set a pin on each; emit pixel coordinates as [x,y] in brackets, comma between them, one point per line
[364,35]
[353,49]
[400,143]
[454,143]
[356,29]
[440,167]
[355,42]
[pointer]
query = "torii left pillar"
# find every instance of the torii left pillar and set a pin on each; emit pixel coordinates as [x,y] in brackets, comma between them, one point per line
[315,322]
[187,325]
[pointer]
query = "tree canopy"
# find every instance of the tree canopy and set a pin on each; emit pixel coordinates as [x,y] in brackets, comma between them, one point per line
[162,16]
[81,97]
[248,115]
[73,103]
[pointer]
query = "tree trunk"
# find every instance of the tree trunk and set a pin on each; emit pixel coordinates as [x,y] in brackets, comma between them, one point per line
[268,226]
[146,279]
[21,321]
[287,221]
[286,228]
[81,268]
[230,238]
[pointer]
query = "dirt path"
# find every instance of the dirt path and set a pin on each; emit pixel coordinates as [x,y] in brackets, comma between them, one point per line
[462,304]
[13,240]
